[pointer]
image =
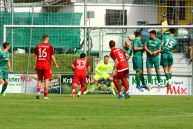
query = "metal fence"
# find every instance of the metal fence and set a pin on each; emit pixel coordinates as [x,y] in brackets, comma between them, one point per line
[89,26]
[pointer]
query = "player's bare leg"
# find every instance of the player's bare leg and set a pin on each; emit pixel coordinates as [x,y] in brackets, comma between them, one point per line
[158,79]
[38,89]
[46,83]
[149,71]
[73,89]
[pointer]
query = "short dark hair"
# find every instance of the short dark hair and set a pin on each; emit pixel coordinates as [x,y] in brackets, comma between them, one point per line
[137,34]
[106,56]
[153,32]
[172,30]
[45,36]
[112,44]
[82,55]
[5,45]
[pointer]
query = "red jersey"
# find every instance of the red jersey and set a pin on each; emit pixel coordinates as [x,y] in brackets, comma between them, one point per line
[80,66]
[44,51]
[119,55]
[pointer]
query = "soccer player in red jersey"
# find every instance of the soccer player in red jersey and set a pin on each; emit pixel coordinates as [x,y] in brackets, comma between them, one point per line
[44,54]
[80,66]
[120,70]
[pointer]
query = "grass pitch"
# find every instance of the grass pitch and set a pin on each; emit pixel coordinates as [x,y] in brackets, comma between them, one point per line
[19,111]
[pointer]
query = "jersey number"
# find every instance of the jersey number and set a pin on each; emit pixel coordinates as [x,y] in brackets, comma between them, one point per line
[81,64]
[169,43]
[42,53]
[120,55]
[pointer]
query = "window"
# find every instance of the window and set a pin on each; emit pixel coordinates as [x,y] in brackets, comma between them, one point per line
[115,17]
[182,10]
[171,10]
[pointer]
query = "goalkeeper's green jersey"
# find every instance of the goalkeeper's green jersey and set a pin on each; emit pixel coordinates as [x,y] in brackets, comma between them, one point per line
[4,58]
[169,44]
[103,68]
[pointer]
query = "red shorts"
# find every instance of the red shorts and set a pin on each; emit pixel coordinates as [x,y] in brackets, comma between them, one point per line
[79,79]
[122,74]
[44,74]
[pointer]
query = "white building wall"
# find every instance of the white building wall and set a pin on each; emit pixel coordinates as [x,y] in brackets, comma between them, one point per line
[134,13]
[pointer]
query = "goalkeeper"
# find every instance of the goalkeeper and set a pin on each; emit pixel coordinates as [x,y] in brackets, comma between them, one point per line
[102,73]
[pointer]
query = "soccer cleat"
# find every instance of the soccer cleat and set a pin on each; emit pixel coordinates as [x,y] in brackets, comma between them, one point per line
[78,96]
[114,92]
[85,92]
[149,87]
[72,95]
[168,85]
[127,95]
[46,98]
[158,88]
[2,94]
[120,96]
[144,87]
[170,82]
[37,96]
[139,88]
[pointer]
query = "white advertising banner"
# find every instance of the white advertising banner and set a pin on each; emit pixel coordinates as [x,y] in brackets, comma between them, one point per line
[22,83]
[180,86]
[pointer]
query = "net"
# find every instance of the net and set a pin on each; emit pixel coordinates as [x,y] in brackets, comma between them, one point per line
[65,38]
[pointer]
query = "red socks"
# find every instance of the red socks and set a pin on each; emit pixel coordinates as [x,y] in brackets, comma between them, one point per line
[116,82]
[73,88]
[38,90]
[45,93]
[82,89]
[125,84]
